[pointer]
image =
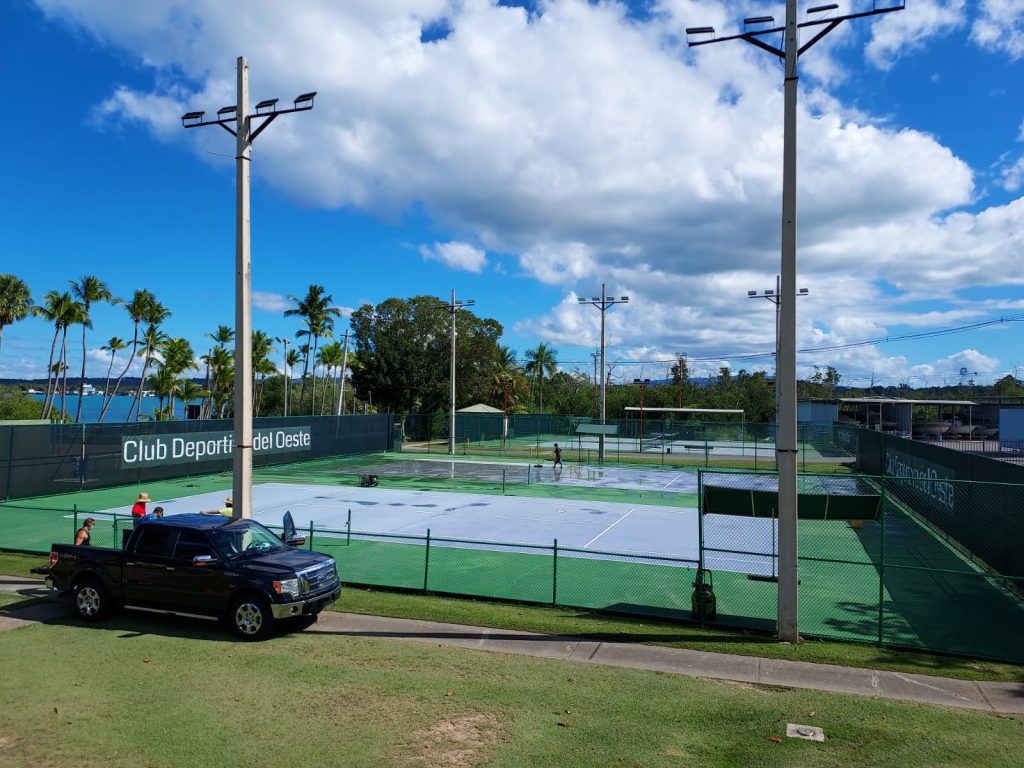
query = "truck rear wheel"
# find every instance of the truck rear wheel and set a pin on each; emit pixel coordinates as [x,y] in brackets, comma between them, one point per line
[92,601]
[250,617]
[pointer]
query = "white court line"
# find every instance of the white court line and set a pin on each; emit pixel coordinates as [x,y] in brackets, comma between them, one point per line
[602,533]
[666,485]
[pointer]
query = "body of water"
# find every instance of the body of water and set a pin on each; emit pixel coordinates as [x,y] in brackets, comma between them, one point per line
[118,410]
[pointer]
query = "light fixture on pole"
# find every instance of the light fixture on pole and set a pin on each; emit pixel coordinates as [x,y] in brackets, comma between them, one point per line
[754,28]
[453,306]
[244,133]
[287,378]
[775,298]
[603,304]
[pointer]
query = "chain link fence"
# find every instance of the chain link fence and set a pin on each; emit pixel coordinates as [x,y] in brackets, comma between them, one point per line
[876,563]
[662,441]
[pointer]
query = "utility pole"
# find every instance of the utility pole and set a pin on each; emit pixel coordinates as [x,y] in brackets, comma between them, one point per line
[603,304]
[786,444]
[245,134]
[679,375]
[776,299]
[287,379]
[453,307]
[344,365]
[597,385]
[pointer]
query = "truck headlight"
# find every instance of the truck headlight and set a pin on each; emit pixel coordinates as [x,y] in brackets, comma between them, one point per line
[289,587]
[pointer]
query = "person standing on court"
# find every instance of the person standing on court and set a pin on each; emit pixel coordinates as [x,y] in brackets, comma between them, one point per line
[558,457]
[82,536]
[139,508]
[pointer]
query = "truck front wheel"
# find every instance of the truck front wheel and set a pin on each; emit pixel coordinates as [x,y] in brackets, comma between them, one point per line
[91,600]
[250,617]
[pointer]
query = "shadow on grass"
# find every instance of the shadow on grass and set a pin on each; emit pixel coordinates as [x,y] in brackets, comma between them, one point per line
[131,624]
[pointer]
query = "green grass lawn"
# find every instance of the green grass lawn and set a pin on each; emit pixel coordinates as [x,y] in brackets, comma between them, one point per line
[598,626]
[164,692]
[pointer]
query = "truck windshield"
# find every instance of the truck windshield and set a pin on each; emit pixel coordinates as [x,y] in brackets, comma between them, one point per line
[244,538]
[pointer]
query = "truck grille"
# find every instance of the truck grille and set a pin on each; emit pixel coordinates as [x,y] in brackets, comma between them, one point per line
[318,578]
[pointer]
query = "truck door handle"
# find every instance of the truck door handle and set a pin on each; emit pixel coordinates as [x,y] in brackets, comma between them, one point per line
[170,568]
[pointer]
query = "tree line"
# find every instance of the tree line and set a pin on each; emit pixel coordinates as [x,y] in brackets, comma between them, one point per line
[397,357]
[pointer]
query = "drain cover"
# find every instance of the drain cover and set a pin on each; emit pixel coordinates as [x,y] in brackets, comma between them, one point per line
[809,732]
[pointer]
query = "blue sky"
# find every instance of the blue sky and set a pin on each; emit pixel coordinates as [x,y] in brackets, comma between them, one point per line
[524,157]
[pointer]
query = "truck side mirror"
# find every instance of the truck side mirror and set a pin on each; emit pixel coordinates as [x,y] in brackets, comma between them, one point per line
[201,560]
[295,541]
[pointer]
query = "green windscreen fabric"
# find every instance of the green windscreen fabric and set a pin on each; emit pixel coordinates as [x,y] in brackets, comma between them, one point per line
[819,498]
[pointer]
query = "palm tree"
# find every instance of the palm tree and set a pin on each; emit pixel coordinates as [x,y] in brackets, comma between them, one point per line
[541,361]
[152,341]
[87,290]
[221,363]
[262,346]
[224,335]
[330,359]
[113,346]
[316,312]
[137,308]
[321,327]
[15,301]
[187,390]
[163,383]
[293,358]
[178,358]
[505,373]
[74,315]
[53,309]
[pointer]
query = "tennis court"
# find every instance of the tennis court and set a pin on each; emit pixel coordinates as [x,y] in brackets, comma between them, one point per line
[617,538]
[584,526]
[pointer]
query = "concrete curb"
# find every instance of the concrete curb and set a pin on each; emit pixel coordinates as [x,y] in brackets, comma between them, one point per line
[1000,698]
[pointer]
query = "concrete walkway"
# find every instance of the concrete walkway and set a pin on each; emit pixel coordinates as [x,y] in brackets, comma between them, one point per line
[1002,698]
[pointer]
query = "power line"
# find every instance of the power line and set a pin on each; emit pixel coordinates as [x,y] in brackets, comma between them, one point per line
[827,348]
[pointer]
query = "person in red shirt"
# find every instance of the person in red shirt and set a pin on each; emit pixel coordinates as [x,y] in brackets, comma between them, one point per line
[139,508]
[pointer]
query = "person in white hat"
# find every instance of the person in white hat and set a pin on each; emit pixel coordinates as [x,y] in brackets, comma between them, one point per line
[226,510]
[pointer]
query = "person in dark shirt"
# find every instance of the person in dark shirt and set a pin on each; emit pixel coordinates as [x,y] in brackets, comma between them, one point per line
[82,536]
[558,457]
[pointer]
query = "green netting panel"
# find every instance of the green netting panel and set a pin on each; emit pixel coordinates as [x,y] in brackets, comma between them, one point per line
[824,498]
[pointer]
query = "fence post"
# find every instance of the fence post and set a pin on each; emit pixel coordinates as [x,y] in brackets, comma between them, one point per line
[10,459]
[74,508]
[554,574]
[348,529]
[311,535]
[881,564]
[426,562]
[698,585]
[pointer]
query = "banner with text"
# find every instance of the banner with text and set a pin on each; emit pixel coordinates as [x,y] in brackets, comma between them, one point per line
[157,450]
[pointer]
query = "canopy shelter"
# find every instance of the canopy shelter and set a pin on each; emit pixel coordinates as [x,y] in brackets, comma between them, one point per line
[820,498]
[685,410]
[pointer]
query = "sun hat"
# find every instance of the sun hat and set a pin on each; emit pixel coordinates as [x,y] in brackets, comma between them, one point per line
[228,501]
[143,496]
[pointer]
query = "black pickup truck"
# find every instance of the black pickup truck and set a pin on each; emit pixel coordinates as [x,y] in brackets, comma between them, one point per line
[203,566]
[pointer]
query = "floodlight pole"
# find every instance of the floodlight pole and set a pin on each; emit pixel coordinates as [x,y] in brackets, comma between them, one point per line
[344,365]
[287,381]
[453,307]
[603,304]
[775,298]
[241,475]
[786,442]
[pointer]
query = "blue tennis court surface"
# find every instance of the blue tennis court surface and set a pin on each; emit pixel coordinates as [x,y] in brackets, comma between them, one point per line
[606,527]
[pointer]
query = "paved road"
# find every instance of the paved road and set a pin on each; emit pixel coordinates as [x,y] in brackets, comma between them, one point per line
[1002,698]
